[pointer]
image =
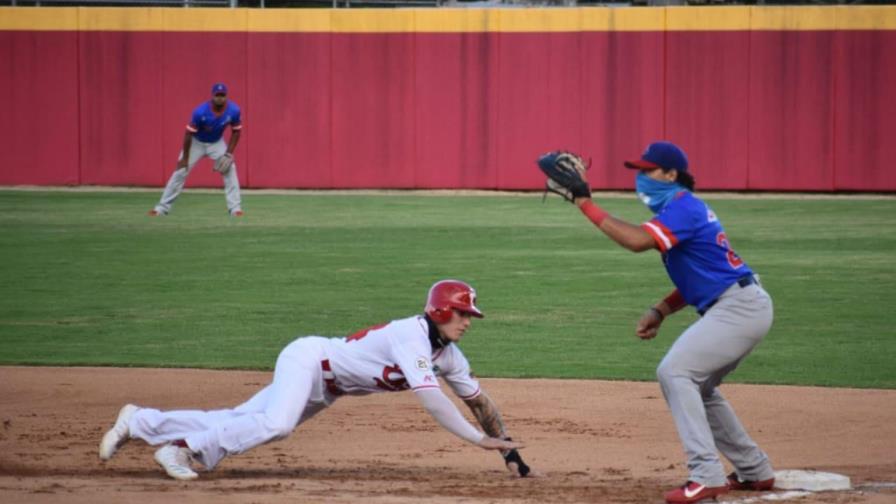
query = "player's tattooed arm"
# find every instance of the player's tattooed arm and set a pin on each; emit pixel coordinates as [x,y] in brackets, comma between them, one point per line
[486,412]
[490,419]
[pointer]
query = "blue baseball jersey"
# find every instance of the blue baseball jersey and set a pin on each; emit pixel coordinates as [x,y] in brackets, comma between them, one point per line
[208,126]
[696,251]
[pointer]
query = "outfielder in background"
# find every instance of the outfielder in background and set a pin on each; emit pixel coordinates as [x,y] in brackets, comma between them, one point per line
[736,312]
[312,372]
[205,137]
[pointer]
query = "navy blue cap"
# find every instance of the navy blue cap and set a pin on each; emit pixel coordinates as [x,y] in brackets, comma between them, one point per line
[665,155]
[219,88]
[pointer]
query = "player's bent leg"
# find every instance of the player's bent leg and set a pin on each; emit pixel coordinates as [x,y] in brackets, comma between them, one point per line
[231,180]
[736,445]
[172,190]
[232,192]
[157,427]
[690,367]
[683,398]
[741,322]
[296,372]
[175,184]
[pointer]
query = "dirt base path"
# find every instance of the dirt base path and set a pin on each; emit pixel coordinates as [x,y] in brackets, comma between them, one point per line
[597,442]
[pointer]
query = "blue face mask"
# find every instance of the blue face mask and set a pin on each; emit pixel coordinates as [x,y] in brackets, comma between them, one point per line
[656,194]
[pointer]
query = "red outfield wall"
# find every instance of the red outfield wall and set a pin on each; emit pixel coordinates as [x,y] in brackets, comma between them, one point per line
[387,99]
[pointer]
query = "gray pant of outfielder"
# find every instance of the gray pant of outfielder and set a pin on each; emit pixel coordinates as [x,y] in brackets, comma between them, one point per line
[691,372]
[198,150]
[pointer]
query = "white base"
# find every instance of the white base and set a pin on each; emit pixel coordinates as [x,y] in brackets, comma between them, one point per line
[765,497]
[810,480]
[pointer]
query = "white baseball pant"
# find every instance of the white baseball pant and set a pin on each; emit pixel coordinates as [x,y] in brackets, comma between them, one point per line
[296,394]
[198,150]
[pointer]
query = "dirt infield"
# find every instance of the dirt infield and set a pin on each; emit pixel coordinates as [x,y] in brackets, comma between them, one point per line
[597,442]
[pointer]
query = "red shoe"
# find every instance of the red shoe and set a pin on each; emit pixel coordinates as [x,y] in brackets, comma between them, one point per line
[155,213]
[692,492]
[735,483]
[238,213]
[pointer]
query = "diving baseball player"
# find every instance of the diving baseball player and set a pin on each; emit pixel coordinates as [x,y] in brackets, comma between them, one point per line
[736,312]
[313,372]
[205,137]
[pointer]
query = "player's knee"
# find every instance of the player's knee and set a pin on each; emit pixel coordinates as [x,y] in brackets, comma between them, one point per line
[279,427]
[667,371]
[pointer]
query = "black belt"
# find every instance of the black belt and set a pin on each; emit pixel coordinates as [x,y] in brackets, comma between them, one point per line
[742,282]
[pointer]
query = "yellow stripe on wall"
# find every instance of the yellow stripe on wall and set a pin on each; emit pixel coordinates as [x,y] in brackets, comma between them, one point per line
[199,20]
[789,18]
[283,20]
[43,18]
[458,20]
[372,20]
[121,19]
[631,18]
[434,20]
[707,18]
[866,17]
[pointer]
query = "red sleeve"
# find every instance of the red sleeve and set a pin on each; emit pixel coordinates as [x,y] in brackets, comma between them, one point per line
[675,301]
[664,238]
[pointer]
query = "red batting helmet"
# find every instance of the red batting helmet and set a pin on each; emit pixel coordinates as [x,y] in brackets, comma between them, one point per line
[447,294]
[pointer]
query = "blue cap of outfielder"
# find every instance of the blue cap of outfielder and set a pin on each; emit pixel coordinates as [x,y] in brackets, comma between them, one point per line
[665,155]
[219,88]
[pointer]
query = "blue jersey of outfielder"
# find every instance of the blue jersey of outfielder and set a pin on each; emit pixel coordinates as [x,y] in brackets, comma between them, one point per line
[695,250]
[208,126]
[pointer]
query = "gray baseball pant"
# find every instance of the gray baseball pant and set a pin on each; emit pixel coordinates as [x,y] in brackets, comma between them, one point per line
[198,150]
[693,369]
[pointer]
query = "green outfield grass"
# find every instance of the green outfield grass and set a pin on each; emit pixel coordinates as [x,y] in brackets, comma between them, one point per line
[88,279]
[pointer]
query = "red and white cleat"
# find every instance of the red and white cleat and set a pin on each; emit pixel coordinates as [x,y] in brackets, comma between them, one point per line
[692,492]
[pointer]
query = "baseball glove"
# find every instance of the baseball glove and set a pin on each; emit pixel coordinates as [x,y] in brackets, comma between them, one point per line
[223,163]
[566,175]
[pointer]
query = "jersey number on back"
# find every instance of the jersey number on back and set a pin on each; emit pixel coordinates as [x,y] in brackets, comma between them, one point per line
[733,259]
[363,332]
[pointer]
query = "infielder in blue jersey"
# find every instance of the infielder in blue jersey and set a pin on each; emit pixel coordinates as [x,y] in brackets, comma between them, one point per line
[736,314]
[205,137]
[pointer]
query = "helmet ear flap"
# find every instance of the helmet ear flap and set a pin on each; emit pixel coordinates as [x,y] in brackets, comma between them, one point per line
[440,315]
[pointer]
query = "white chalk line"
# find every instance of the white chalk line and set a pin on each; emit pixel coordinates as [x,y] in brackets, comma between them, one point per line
[881,485]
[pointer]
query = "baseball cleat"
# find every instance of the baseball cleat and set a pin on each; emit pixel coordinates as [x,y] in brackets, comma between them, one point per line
[735,483]
[175,460]
[118,434]
[156,213]
[692,492]
[237,213]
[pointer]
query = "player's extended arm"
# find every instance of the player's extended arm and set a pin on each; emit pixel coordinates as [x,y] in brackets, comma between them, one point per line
[628,235]
[234,139]
[185,155]
[442,409]
[486,412]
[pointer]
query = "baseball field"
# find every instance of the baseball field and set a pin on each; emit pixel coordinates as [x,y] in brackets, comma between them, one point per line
[88,280]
